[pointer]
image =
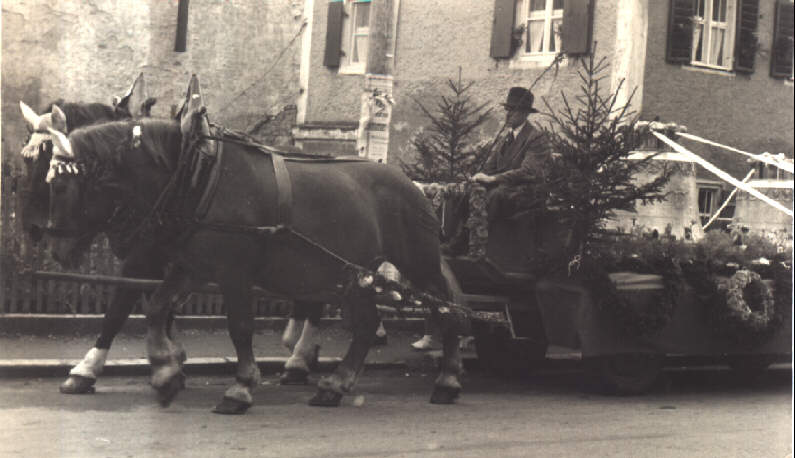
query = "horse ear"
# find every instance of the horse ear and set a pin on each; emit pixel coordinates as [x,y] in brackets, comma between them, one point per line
[58,119]
[63,144]
[136,100]
[30,116]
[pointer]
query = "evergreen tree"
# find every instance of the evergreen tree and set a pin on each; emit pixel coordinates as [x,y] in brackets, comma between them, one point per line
[449,150]
[591,175]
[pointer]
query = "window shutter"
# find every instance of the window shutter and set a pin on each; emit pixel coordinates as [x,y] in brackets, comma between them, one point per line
[781,58]
[331,58]
[577,26]
[502,29]
[747,41]
[680,31]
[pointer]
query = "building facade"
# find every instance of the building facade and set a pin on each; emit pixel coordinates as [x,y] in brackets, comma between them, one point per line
[721,68]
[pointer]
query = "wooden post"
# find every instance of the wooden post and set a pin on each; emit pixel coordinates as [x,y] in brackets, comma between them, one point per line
[182,26]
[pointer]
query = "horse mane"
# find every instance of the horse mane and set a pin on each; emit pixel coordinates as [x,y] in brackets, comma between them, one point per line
[80,114]
[105,143]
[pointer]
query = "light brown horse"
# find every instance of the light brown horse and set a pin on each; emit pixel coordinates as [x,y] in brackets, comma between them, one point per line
[342,212]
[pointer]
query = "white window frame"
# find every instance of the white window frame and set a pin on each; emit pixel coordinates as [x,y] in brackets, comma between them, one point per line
[523,58]
[349,34]
[705,26]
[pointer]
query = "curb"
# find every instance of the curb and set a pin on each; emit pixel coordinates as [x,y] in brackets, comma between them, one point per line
[51,324]
[193,366]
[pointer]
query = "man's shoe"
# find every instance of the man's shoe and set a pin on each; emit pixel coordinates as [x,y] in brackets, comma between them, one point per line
[426,343]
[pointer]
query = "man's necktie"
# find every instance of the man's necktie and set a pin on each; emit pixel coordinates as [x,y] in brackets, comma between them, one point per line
[509,137]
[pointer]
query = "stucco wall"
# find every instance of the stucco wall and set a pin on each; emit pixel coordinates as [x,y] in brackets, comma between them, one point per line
[91,50]
[750,112]
[679,209]
[760,216]
[434,38]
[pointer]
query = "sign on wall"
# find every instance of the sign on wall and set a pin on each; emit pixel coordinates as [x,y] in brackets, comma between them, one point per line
[372,139]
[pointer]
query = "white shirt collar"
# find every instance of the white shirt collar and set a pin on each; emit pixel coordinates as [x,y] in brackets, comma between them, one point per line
[518,129]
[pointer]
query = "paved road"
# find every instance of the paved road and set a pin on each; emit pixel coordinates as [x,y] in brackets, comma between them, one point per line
[690,413]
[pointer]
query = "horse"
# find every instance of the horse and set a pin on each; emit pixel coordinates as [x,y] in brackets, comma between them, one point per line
[342,214]
[136,262]
[35,195]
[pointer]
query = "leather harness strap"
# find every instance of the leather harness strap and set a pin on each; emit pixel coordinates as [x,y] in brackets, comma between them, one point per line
[284,190]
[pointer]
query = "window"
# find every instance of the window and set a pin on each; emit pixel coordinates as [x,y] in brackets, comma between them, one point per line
[548,27]
[347,35]
[356,30]
[720,34]
[713,35]
[541,20]
[707,202]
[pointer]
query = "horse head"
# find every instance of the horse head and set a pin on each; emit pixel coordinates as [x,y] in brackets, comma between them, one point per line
[105,178]
[65,117]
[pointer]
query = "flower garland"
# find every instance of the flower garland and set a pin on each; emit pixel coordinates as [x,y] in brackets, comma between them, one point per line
[758,310]
[625,314]
[742,308]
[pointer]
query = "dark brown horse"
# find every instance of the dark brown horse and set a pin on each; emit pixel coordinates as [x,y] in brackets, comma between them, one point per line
[143,260]
[35,195]
[342,212]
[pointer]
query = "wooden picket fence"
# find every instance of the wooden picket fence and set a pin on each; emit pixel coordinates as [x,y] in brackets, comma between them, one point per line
[31,282]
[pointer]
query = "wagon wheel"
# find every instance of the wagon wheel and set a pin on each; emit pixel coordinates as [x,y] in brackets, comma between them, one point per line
[625,373]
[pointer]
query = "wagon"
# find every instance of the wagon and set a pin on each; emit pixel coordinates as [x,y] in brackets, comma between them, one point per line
[536,309]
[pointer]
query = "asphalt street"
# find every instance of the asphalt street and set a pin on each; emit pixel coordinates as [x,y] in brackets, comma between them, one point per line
[694,412]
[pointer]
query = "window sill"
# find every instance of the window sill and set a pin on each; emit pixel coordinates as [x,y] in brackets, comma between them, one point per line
[709,70]
[351,70]
[538,61]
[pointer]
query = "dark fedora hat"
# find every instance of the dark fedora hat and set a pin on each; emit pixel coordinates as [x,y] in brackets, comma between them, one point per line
[520,98]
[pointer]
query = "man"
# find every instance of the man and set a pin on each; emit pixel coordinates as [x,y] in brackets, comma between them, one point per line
[517,157]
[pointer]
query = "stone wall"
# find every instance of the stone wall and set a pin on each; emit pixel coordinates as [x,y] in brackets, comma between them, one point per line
[243,51]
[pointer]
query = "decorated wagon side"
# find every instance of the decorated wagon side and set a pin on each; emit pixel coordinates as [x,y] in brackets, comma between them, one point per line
[557,273]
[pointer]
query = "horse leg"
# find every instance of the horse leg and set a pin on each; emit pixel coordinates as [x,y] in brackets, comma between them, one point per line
[84,375]
[305,353]
[447,387]
[165,356]
[364,321]
[240,320]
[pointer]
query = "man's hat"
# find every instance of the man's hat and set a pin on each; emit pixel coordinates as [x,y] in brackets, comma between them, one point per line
[520,98]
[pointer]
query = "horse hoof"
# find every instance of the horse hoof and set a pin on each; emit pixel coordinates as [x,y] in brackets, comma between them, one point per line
[231,406]
[326,398]
[167,392]
[77,384]
[294,377]
[444,395]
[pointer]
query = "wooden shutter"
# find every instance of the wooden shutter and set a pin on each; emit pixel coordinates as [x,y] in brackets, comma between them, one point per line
[336,10]
[781,57]
[577,26]
[182,26]
[680,31]
[502,28]
[746,42]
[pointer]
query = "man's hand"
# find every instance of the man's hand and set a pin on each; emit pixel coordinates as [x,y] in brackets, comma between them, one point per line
[481,177]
